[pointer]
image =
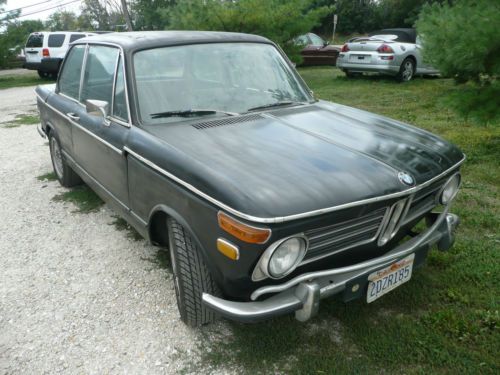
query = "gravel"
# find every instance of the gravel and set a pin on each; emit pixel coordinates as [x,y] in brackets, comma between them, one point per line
[76,295]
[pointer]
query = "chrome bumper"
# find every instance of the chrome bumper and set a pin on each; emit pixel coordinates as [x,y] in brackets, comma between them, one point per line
[40,131]
[385,68]
[302,293]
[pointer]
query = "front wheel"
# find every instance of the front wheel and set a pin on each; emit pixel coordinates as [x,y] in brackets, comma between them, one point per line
[406,71]
[66,176]
[191,276]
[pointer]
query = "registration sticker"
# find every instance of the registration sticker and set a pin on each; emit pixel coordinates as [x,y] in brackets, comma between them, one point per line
[389,278]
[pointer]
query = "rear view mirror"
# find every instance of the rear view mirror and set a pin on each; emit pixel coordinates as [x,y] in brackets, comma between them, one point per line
[99,108]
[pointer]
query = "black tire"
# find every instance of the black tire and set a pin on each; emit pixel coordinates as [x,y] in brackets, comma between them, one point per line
[191,276]
[47,75]
[66,176]
[406,70]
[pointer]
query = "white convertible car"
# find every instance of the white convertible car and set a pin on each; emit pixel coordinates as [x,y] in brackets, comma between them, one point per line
[396,52]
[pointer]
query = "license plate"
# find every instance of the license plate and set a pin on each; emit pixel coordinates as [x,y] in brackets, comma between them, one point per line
[360,58]
[389,278]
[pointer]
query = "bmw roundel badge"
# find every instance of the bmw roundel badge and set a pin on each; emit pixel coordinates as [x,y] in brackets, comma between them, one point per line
[406,178]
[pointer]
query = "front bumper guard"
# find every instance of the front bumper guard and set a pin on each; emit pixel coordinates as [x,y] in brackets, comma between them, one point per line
[303,293]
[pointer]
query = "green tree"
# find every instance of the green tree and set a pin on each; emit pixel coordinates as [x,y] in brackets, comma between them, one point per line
[62,21]
[5,18]
[462,41]
[101,15]
[150,14]
[279,20]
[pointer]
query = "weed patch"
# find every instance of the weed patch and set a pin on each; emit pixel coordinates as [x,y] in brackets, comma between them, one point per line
[25,119]
[82,197]
[122,225]
[50,176]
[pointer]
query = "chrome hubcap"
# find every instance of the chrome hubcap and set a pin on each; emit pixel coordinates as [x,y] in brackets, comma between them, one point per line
[407,71]
[56,157]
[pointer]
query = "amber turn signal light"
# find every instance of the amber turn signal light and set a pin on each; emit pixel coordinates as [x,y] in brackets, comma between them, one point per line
[228,249]
[244,232]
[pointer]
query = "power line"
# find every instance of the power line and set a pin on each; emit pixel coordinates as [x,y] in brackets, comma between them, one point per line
[27,6]
[44,10]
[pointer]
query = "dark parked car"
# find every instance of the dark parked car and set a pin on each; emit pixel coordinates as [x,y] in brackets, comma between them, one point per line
[316,50]
[268,200]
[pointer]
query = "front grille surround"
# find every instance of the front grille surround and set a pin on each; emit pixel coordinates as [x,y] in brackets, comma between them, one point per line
[366,229]
[342,236]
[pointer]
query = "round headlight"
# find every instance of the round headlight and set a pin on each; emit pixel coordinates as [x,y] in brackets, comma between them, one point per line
[286,256]
[450,189]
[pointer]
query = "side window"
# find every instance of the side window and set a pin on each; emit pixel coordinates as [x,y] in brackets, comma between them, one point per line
[120,102]
[99,73]
[74,37]
[69,79]
[56,40]
[316,40]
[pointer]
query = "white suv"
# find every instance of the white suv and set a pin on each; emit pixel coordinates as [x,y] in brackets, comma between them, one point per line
[46,50]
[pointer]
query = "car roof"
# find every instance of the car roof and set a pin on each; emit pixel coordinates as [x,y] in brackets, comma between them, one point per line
[136,40]
[63,32]
[404,35]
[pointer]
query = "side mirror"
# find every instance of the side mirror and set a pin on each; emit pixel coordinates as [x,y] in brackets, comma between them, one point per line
[99,108]
[325,43]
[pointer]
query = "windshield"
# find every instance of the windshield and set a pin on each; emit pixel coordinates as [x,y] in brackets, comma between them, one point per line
[218,77]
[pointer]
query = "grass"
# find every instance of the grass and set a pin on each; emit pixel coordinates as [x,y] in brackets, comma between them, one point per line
[446,319]
[50,176]
[122,225]
[82,197]
[7,82]
[24,119]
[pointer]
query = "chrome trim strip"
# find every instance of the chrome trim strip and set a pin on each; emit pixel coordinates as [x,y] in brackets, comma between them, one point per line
[398,252]
[40,131]
[281,219]
[81,127]
[114,82]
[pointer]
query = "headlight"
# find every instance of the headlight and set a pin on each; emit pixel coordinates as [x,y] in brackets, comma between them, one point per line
[450,189]
[281,258]
[286,257]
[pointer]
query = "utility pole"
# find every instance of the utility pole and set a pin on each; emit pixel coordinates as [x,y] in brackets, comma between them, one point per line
[126,14]
[335,18]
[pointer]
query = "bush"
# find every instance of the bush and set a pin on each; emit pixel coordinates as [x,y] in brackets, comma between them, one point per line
[278,20]
[462,41]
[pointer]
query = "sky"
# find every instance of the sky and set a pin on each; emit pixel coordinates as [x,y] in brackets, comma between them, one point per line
[41,7]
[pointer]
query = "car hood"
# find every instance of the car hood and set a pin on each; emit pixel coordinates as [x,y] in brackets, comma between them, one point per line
[289,161]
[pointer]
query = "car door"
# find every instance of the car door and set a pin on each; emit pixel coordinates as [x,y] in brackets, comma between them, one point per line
[65,104]
[318,52]
[98,141]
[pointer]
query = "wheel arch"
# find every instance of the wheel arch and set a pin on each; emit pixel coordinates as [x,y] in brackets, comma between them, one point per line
[157,225]
[414,58]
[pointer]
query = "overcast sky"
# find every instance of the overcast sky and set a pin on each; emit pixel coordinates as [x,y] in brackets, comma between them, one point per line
[42,8]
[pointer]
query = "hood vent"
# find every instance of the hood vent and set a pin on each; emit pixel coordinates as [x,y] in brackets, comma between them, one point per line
[227,121]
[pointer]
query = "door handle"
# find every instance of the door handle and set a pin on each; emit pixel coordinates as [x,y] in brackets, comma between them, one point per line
[73,117]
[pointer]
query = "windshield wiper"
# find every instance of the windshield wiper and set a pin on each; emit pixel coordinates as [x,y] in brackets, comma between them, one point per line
[275,104]
[190,113]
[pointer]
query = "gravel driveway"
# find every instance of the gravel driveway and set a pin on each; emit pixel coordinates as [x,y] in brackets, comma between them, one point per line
[76,295]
